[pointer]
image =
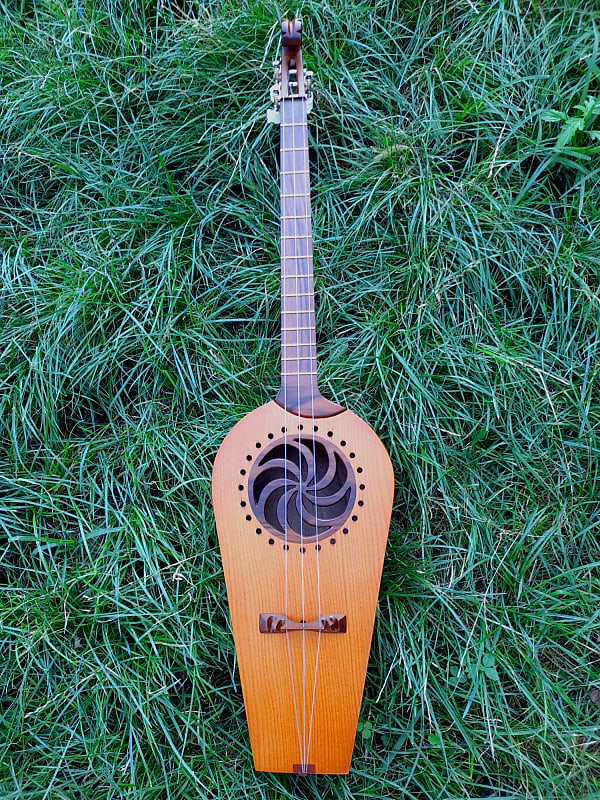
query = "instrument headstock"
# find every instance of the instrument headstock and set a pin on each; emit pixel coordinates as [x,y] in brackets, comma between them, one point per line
[291,79]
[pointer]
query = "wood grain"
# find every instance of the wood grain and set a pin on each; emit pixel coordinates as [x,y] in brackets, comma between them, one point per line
[349,565]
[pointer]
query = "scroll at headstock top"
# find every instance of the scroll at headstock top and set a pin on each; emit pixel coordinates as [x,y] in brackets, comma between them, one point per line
[291,79]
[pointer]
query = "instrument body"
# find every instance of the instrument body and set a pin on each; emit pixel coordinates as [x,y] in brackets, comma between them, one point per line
[302,493]
[350,568]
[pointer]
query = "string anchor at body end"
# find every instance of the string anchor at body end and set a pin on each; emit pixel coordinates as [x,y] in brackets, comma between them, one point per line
[304,769]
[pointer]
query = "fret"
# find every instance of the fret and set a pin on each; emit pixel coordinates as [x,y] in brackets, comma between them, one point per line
[297,294]
[298,358]
[305,217]
[286,172]
[298,311]
[300,328]
[294,257]
[312,372]
[293,124]
[298,344]
[286,195]
[298,236]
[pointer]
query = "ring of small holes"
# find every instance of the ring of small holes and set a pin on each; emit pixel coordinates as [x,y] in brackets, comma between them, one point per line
[354,517]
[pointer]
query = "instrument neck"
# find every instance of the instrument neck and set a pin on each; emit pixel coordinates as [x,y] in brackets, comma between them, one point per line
[298,344]
[299,391]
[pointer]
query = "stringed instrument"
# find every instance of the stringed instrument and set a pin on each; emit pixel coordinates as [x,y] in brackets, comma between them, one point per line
[302,492]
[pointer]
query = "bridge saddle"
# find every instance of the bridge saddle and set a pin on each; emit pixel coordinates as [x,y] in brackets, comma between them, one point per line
[279,623]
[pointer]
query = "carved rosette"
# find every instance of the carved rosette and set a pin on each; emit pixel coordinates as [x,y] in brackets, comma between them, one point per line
[304,485]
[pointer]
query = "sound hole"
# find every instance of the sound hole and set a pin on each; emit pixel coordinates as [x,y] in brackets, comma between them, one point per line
[303,485]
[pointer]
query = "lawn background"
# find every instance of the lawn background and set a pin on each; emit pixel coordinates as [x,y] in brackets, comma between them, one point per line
[456,218]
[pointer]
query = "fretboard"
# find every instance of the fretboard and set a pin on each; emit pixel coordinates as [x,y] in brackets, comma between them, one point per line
[298,349]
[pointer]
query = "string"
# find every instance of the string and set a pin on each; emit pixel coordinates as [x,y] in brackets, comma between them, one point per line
[299,495]
[316,511]
[304,740]
[285,457]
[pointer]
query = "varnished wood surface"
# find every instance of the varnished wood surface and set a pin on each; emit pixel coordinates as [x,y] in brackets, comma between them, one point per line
[349,565]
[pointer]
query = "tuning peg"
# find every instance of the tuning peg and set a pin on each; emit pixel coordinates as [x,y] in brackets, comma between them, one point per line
[277,69]
[275,94]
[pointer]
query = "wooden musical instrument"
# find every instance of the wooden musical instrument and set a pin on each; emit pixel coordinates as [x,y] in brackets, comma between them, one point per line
[302,492]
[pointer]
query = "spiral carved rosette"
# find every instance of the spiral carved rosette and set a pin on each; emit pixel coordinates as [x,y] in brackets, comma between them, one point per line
[302,488]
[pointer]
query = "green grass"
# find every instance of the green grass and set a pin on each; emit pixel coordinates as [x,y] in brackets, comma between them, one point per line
[457,226]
